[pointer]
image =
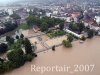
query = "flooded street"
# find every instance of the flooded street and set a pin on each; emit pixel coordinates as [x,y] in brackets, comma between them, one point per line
[86,53]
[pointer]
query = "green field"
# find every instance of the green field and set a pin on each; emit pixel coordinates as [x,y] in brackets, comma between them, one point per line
[24,26]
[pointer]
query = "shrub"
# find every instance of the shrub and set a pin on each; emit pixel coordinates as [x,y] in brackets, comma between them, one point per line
[28,47]
[90,33]
[56,33]
[16,57]
[24,26]
[3,48]
[70,37]
[22,36]
[6,66]
[67,43]
[17,37]
[29,57]
[83,38]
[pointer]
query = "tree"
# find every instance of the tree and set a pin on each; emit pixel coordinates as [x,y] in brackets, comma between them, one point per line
[59,33]
[67,43]
[44,26]
[17,37]
[43,12]
[29,57]
[90,33]
[70,37]
[11,41]
[22,36]
[53,48]
[61,26]
[8,66]
[15,16]
[2,69]
[49,21]
[16,56]
[28,47]
[30,12]
[75,27]
[83,38]
[3,47]
[7,38]
[31,20]
[9,26]
[81,27]
[1,60]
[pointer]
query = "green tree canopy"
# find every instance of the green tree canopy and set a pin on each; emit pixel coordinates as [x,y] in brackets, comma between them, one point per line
[61,26]
[44,26]
[90,33]
[15,16]
[28,47]
[67,43]
[70,37]
[16,56]
[22,36]
[3,47]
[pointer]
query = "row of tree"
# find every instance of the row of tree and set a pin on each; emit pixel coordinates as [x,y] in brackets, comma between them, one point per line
[20,51]
[79,27]
[9,26]
[76,27]
[44,22]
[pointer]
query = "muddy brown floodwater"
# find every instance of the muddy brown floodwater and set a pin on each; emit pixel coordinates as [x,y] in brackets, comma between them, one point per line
[87,53]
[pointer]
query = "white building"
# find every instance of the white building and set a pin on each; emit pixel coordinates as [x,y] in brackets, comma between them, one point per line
[68,19]
[55,12]
[10,11]
[48,14]
[71,32]
[97,18]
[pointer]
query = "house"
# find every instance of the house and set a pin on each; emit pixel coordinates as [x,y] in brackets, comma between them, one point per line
[36,28]
[75,16]
[92,24]
[97,18]
[48,14]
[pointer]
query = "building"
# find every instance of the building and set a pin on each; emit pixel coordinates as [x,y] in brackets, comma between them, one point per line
[97,18]
[75,16]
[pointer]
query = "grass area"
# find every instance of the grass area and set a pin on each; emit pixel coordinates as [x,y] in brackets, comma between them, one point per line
[56,33]
[24,26]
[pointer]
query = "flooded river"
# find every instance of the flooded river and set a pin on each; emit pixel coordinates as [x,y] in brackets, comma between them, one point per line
[87,53]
